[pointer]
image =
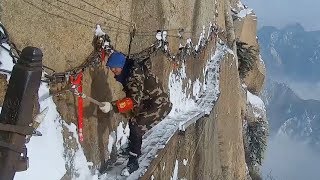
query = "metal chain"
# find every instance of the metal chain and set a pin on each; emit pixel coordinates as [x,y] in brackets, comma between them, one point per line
[160,45]
[60,77]
[94,59]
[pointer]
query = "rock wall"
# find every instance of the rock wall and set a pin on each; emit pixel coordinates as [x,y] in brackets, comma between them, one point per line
[257,126]
[66,44]
[246,31]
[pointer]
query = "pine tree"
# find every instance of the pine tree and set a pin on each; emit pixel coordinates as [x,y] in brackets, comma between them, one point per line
[246,58]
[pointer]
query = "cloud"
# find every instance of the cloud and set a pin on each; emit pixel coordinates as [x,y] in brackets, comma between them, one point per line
[306,90]
[288,159]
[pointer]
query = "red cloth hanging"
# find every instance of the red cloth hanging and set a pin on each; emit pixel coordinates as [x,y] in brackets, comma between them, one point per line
[77,81]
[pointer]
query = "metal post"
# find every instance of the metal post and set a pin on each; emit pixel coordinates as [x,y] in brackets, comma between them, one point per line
[18,108]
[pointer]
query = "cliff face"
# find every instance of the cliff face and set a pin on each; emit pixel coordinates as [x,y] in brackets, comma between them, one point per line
[253,110]
[246,31]
[213,145]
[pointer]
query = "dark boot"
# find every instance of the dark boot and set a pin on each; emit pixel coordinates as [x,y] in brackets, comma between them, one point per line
[124,152]
[132,165]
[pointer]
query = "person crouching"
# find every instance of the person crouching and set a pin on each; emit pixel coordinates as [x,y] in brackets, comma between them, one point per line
[145,98]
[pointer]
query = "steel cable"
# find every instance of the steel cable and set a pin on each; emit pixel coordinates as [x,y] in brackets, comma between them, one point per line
[106,12]
[68,4]
[76,15]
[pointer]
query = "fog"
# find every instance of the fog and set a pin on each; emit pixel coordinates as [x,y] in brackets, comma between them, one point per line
[286,159]
[279,13]
[306,90]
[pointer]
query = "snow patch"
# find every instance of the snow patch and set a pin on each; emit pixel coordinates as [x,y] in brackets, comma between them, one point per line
[78,161]
[257,104]
[244,86]
[5,59]
[162,35]
[184,106]
[201,40]
[157,137]
[175,171]
[244,10]
[299,127]
[185,161]
[122,135]
[47,149]
[261,60]
[178,93]
[99,31]
[112,140]
[196,89]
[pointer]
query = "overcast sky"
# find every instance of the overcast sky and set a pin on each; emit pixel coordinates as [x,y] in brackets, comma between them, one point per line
[282,12]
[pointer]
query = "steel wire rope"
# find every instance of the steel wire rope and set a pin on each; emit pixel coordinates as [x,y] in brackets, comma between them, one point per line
[124,31]
[71,20]
[106,12]
[46,67]
[110,28]
[129,21]
[56,15]
[10,52]
[6,39]
[71,5]
[86,63]
[5,71]
[75,70]
[138,33]
[72,71]
[4,34]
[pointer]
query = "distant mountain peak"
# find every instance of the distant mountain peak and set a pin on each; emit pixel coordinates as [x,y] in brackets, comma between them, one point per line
[291,52]
[294,27]
[289,114]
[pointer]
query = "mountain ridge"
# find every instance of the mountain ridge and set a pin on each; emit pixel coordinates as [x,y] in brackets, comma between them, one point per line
[289,114]
[291,52]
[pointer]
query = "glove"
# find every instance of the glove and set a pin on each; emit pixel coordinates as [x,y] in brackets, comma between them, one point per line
[106,108]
